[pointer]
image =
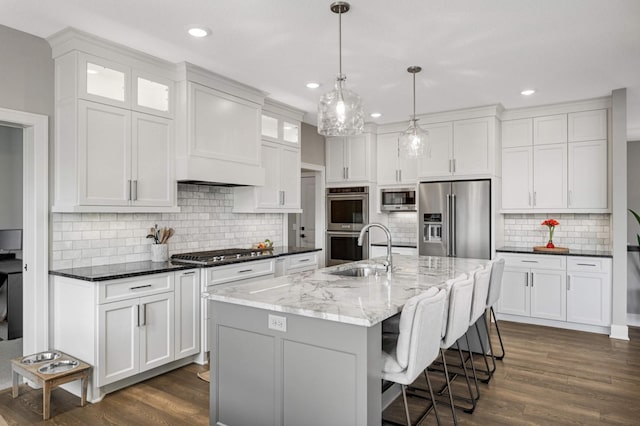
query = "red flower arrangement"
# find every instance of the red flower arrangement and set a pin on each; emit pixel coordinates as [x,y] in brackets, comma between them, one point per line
[551,224]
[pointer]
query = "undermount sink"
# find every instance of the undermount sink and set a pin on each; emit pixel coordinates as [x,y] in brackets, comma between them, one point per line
[361,271]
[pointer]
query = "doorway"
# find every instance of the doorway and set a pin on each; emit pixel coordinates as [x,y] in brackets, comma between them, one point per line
[33,133]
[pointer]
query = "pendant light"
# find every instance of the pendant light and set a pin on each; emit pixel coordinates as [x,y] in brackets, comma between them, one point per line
[340,112]
[413,140]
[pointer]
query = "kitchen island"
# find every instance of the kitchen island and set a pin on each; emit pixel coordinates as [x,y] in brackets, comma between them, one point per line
[305,348]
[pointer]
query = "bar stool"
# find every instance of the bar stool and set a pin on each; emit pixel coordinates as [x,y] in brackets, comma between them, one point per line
[455,325]
[416,346]
[495,286]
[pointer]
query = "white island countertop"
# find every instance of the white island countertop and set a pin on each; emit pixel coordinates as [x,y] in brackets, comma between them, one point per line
[363,301]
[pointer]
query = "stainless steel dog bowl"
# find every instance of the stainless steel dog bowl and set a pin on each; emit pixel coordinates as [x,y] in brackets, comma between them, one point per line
[40,357]
[58,366]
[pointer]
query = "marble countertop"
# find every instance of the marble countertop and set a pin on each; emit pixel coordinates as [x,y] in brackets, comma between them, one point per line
[363,301]
[529,250]
[135,269]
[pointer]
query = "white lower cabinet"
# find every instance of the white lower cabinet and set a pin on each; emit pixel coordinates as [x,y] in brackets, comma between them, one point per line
[129,326]
[556,290]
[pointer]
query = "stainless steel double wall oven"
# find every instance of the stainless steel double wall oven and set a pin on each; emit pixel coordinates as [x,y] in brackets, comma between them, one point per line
[347,214]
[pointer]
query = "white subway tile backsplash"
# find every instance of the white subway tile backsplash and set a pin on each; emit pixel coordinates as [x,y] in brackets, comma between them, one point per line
[204,223]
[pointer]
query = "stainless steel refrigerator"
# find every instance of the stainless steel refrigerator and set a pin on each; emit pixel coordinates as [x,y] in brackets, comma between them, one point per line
[455,218]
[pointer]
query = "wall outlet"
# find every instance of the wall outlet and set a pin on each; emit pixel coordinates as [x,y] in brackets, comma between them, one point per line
[278,323]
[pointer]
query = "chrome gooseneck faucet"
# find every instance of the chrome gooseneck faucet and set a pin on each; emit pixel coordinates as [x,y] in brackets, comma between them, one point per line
[389,262]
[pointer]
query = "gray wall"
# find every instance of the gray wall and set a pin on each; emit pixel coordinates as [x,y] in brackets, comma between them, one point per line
[312,145]
[27,73]
[10,178]
[633,190]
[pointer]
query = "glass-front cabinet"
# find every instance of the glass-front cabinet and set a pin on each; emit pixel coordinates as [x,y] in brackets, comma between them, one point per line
[278,129]
[111,83]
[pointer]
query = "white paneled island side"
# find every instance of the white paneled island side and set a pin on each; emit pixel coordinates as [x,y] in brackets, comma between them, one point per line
[306,348]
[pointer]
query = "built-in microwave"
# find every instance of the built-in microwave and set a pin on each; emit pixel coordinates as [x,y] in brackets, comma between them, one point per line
[347,208]
[397,199]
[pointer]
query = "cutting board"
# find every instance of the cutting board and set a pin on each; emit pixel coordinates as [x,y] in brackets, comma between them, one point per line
[545,249]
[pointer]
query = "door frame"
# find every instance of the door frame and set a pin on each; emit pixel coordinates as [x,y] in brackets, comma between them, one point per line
[35,224]
[321,200]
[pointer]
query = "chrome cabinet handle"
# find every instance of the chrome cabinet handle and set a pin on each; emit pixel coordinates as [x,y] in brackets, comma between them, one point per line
[568,282]
[532,280]
[454,165]
[245,270]
[304,260]
[139,287]
[135,190]
[587,264]
[400,174]
[529,261]
[535,201]
[129,194]
[144,314]
[189,273]
[526,279]
[347,172]
[529,198]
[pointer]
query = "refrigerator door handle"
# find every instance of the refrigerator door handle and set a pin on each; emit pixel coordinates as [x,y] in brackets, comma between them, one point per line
[448,224]
[452,218]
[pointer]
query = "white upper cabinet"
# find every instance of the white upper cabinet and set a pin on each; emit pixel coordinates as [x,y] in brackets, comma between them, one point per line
[114,141]
[550,129]
[517,178]
[517,133]
[439,151]
[555,163]
[394,165]
[588,126]
[351,159]
[280,157]
[459,149]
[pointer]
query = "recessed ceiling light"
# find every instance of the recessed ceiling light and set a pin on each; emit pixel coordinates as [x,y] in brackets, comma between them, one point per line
[313,85]
[199,32]
[528,92]
[376,115]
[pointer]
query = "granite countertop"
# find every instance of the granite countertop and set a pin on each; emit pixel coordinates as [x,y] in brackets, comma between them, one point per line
[406,244]
[362,301]
[529,250]
[134,269]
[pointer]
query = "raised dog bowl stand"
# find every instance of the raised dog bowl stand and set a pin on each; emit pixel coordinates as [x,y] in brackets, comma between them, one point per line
[77,370]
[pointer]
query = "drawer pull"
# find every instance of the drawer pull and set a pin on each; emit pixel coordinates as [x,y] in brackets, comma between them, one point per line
[245,270]
[189,273]
[304,260]
[529,261]
[587,264]
[140,286]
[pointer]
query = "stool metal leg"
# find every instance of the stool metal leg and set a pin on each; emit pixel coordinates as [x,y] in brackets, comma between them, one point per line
[433,398]
[475,375]
[499,357]
[406,404]
[446,375]
[488,370]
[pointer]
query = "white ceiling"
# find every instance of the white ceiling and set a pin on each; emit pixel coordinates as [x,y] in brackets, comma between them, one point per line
[472,52]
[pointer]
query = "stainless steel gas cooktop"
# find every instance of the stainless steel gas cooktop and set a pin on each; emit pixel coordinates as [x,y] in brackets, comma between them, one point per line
[213,257]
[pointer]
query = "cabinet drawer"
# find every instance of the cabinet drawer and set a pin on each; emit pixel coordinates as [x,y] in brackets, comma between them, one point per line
[588,264]
[302,261]
[128,288]
[240,271]
[534,261]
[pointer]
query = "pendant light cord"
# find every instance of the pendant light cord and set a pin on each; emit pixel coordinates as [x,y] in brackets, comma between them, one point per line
[340,40]
[414,96]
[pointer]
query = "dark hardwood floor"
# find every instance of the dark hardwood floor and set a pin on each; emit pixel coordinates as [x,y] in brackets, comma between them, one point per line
[549,377]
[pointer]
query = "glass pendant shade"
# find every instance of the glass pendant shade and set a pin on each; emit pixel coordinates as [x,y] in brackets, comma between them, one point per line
[340,111]
[413,140]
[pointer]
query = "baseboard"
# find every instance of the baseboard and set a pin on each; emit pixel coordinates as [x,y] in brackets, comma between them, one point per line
[554,323]
[633,320]
[620,332]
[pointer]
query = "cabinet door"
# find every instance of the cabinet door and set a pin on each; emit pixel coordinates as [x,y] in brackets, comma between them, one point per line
[549,294]
[157,342]
[104,154]
[587,175]
[223,126]
[517,133]
[550,129]
[290,177]
[152,160]
[588,125]
[104,81]
[357,158]
[336,159]
[550,176]
[152,94]
[187,314]
[118,338]
[472,146]
[407,168]
[517,178]
[387,159]
[439,151]
[269,194]
[589,298]
[514,294]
